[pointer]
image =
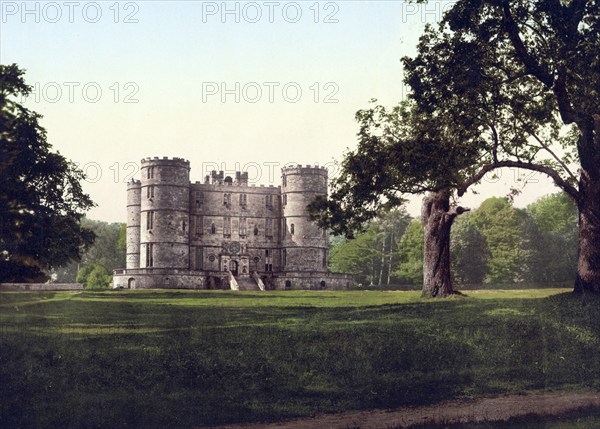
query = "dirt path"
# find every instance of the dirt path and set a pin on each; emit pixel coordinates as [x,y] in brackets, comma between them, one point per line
[493,408]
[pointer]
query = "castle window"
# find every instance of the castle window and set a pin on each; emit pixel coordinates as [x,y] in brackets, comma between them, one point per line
[199,258]
[269,227]
[199,199]
[269,201]
[284,180]
[243,227]
[284,258]
[213,228]
[199,225]
[149,220]
[284,199]
[292,229]
[149,255]
[267,253]
[243,200]
[255,230]
[183,225]
[227,200]
[227,226]
[150,172]
[150,191]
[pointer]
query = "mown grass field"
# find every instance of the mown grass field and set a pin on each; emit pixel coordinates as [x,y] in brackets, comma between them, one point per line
[180,359]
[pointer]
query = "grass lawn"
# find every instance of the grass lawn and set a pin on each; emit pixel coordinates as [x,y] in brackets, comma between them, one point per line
[179,359]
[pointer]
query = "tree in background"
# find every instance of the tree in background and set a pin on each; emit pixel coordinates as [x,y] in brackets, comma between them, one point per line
[41,199]
[392,225]
[410,251]
[107,250]
[554,243]
[503,228]
[554,213]
[356,256]
[122,241]
[94,276]
[470,253]
[371,256]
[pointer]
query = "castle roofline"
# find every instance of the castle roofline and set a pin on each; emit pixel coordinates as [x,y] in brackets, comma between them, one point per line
[165,160]
[312,169]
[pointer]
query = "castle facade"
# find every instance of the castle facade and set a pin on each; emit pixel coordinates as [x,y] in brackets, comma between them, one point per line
[223,233]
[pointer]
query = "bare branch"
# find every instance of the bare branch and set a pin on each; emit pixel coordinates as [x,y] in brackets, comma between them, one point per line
[530,63]
[551,152]
[553,174]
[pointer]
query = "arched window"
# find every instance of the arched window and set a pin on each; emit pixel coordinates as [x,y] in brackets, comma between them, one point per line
[213,228]
[292,229]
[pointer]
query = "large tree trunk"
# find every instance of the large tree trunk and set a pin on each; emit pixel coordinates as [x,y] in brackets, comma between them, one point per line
[437,217]
[588,266]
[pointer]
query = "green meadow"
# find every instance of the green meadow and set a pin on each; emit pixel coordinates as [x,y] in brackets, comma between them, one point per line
[183,359]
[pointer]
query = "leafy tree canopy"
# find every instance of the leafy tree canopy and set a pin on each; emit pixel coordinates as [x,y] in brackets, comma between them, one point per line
[41,199]
[554,213]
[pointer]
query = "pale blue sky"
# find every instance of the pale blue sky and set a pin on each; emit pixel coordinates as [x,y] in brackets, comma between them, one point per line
[176,52]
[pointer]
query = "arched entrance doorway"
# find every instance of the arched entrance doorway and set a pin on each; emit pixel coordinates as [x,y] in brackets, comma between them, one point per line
[131,283]
[233,267]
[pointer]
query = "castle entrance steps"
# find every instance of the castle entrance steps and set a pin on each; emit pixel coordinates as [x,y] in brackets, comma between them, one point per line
[247,283]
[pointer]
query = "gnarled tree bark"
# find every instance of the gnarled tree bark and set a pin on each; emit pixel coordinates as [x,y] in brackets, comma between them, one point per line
[437,217]
[588,265]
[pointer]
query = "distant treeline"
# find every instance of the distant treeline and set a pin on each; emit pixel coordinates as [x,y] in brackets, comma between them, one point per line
[496,244]
[97,263]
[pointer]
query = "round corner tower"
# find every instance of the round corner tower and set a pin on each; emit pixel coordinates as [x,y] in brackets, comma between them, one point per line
[164,213]
[305,246]
[133,224]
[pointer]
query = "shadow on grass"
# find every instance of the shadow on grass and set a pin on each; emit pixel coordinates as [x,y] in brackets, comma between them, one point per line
[118,363]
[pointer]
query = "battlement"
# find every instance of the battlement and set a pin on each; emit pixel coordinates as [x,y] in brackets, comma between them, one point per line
[175,162]
[236,187]
[218,178]
[134,183]
[308,170]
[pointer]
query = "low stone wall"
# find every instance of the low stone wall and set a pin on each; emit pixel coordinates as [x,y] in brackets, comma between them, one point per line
[24,287]
[158,279]
[161,278]
[312,281]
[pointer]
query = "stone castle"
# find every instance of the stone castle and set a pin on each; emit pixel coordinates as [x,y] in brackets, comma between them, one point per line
[224,233]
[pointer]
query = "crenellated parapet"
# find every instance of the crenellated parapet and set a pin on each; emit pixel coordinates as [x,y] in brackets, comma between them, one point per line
[307,170]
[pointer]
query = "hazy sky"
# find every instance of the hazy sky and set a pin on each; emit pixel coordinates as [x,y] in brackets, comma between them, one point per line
[227,85]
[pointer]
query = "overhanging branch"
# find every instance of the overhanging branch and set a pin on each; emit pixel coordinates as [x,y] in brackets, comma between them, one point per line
[553,174]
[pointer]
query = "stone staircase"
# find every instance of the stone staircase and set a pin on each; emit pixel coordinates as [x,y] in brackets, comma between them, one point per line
[247,283]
